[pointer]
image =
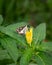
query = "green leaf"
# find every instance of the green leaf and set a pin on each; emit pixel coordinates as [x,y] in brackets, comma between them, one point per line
[1,19]
[14,35]
[26,57]
[0,47]
[32,64]
[11,31]
[40,33]
[11,64]
[46,46]
[44,58]
[1,27]
[16,25]
[47,57]
[10,45]
[39,60]
[4,55]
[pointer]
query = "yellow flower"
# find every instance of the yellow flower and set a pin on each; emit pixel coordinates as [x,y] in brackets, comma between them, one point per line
[29,36]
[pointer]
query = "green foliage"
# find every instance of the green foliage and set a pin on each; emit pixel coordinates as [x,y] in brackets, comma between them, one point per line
[39,60]
[44,58]
[15,50]
[11,64]
[4,55]
[1,4]
[40,33]
[1,19]
[46,46]
[35,10]
[26,56]
[11,48]
[13,27]
[50,3]
[14,35]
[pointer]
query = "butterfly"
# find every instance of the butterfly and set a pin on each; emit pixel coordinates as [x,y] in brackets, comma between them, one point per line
[22,30]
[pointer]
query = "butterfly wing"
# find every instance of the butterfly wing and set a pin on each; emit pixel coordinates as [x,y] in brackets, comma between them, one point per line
[22,30]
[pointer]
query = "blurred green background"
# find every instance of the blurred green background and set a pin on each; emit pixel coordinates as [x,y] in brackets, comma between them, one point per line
[33,11]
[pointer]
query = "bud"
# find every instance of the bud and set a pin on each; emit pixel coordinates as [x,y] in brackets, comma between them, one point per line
[29,36]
